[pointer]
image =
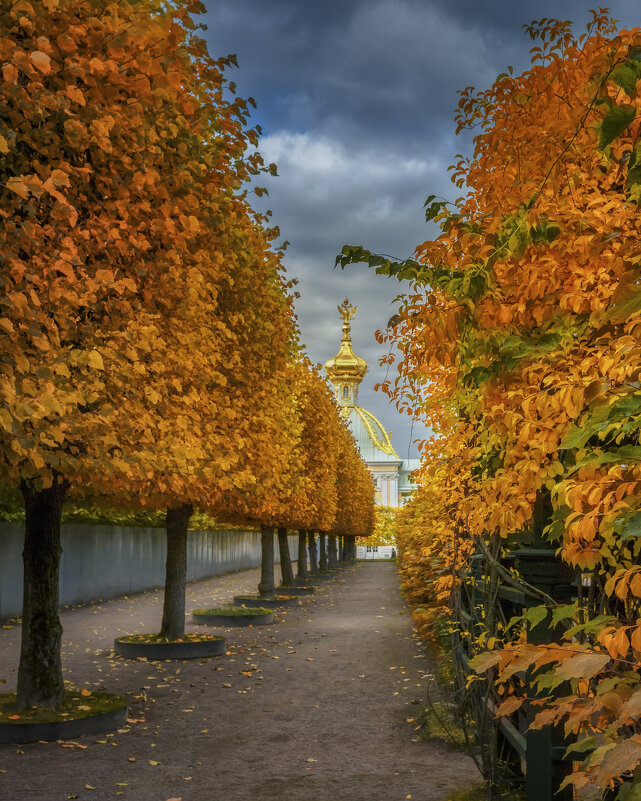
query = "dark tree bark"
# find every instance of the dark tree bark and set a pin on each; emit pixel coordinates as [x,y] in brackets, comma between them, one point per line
[266,586]
[323,551]
[341,549]
[173,613]
[352,548]
[313,558]
[332,552]
[40,670]
[302,555]
[286,571]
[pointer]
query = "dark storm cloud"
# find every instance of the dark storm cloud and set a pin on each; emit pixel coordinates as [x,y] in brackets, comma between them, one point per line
[356,99]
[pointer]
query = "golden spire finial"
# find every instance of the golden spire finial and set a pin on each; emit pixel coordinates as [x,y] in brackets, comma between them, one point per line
[346,366]
[346,312]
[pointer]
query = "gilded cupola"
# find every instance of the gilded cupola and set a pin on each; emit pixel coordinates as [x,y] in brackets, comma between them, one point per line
[346,370]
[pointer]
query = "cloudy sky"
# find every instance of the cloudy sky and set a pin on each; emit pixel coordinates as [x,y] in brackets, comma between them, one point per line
[356,101]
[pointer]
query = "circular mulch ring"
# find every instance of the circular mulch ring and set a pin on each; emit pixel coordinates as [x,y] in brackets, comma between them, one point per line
[269,602]
[133,647]
[300,589]
[103,713]
[234,616]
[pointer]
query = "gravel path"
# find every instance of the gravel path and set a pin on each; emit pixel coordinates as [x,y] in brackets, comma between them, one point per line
[313,708]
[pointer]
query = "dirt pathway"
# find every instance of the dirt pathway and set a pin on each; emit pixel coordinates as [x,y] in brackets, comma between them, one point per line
[313,708]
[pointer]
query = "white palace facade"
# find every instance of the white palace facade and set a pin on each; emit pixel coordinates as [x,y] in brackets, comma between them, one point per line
[390,473]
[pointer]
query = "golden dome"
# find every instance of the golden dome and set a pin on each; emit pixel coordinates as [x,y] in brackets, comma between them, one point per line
[346,365]
[377,433]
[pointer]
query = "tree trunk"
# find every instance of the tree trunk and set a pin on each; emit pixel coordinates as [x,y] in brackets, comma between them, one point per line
[323,551]
[266,586]
[341,549]
[40,670]
[173,613]
[286,572]
[352,549]
[302,555]
[313,558]
[331,551]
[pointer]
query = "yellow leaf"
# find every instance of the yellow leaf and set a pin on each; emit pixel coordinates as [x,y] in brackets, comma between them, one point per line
[95,360]
[75,94]
[18,186]
[153,762]
[4,145]
[583,666]
[635,585]
[619,644]
[41,61]
[60,178]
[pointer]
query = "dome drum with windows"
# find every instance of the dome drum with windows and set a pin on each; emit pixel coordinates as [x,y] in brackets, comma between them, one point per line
[346,370]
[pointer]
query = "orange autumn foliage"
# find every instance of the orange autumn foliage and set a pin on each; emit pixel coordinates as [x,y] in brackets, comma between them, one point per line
[521,347]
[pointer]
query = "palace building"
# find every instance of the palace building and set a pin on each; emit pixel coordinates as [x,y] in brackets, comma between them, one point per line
[346,371]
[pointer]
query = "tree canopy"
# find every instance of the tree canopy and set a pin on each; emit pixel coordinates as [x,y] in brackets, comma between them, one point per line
[520,340]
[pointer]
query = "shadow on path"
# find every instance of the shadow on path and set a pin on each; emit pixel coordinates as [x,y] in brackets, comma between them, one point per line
[313,708]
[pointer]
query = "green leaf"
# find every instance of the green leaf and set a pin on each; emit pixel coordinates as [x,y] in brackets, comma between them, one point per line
[628,453]
[633,177]
[631,791]
[548,680]
[408,270]
[564,612]
[535,615]
[433,208]
[626,76]
[631,527]
[628,301]
[575,438]
[614,123]
[581,746]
